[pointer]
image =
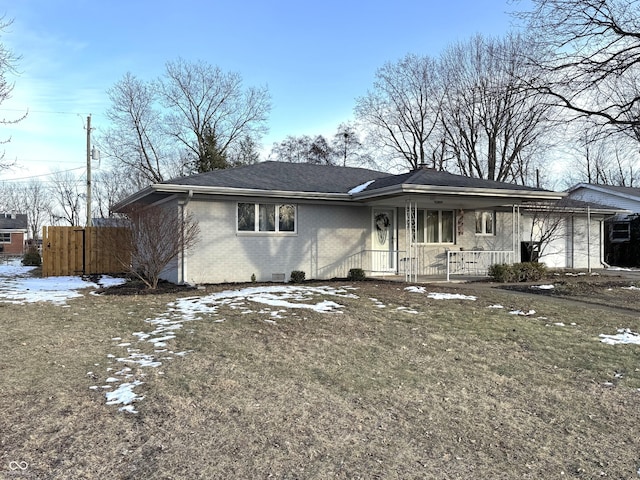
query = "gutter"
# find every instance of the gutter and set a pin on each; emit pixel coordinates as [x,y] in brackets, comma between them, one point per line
[458,191]
[191,190]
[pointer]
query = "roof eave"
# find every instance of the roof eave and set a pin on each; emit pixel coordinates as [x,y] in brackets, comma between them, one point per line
[604,189]
[174,189]
[465,191]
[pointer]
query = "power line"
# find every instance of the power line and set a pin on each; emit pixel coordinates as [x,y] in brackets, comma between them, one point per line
[40,111]
[41,175]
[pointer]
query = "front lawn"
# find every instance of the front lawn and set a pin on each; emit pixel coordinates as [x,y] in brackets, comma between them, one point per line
[332,380]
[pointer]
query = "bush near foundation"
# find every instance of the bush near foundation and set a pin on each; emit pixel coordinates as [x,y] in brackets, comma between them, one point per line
[356,274]
[297,276]
[518,272]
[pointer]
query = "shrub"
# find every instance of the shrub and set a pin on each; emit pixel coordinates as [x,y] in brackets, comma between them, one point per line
[501,272]
[530,271]
[356,274]
[297,276]
[32,258]
[518,272]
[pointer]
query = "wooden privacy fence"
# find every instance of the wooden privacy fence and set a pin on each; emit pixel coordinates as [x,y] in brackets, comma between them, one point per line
[84,251]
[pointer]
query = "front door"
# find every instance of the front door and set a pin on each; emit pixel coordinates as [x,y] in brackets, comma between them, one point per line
[384,241]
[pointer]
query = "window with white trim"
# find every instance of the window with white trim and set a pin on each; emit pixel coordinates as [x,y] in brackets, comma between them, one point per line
[5,237]
[266,217]
[435,226]
[485,222]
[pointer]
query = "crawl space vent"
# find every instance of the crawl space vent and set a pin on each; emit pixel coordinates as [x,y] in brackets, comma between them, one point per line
[278,277]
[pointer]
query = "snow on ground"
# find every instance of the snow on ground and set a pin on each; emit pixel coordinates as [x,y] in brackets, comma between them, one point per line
[438,295]
[543,287]
[272,301]
[18,287]
[624,335]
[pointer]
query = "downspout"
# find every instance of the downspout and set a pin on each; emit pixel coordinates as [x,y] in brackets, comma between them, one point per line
[589,239]
[183,260]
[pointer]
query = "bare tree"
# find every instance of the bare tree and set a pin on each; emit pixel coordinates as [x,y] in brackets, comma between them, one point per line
[600,158]
[135,137]
[8,61]
[492,124]
[152,238]
[292,149]
[548,224]
[403,108]
[593,50]
[30,198]
[347,147]
[65,195]
[209,109]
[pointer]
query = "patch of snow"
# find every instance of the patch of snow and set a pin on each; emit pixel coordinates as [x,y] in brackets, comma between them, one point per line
[495,306]
[124,395]
[360,188]
[632,287]
[17,287]
[414,289]
[523,313]
[439,296]
[543,287]
[450,296]
[623,336]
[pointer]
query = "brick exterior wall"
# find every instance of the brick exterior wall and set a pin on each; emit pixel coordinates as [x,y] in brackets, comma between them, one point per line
[328,242]
[16,247]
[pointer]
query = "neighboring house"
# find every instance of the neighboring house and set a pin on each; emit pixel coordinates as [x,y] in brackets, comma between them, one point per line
[622,239]
[13,233]
[271,218]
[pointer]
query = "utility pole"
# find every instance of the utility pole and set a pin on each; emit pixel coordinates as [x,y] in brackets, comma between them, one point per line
[89,171]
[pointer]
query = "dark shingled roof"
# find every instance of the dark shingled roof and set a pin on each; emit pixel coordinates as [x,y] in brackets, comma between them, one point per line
[294,177]
[9,221]
[431,177]
[305,177]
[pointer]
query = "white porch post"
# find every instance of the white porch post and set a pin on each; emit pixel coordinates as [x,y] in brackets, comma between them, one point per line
[588,238]
[411,235]
[515,224]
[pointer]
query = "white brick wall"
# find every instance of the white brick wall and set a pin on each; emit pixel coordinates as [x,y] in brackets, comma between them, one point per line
[328,242]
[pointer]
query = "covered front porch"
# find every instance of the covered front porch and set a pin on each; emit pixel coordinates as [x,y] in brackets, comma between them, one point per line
[447,265]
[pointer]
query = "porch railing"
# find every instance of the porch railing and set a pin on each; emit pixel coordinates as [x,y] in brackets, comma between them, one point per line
[475,262]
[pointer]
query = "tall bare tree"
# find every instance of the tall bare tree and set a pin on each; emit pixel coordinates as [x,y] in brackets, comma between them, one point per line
[66,199]
[593,49]
[31,198]
[135,137]
[206,104]
[402,109]
[599,158]
[492,123]
[348,148]
[8,61]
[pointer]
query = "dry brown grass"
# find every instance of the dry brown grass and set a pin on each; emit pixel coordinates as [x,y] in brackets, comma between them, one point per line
[457,391]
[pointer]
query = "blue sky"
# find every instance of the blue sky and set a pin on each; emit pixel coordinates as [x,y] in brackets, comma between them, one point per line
[315,59]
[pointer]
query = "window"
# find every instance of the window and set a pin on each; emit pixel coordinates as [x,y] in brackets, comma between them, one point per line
[435,226]
[266,217]
[485,222]
[620,232]
[5,237]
